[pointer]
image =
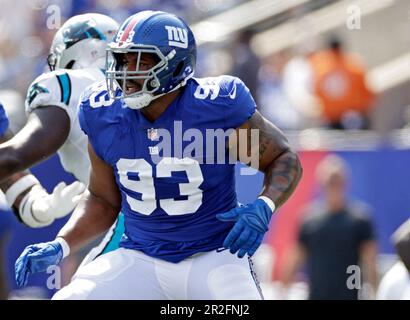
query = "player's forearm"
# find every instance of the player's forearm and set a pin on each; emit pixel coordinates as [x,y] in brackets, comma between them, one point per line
[6,184]
[281,177]
[280,165]
[9,162]
[372,278]
[92,217]
[17,155]
[45,132]
[293,262]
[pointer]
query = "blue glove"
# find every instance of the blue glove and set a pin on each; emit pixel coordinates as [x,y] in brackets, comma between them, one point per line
[37,258]
[252,221]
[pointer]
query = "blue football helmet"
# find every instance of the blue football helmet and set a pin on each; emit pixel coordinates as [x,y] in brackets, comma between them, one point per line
[172,44]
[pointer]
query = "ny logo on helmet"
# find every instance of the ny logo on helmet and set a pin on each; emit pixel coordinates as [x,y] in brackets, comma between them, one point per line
[178,37]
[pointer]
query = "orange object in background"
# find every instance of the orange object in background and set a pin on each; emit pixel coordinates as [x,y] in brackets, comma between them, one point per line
[340,84]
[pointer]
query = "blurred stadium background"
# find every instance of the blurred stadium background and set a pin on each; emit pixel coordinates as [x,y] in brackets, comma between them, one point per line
[279,49]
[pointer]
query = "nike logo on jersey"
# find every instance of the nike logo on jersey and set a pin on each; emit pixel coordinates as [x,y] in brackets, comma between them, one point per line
[232,94]
[221,249]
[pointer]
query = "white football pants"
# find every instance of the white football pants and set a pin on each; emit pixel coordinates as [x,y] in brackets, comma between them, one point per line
[129,274]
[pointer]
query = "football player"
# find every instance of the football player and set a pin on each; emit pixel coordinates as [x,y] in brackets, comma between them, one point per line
[76,60]
[180,207]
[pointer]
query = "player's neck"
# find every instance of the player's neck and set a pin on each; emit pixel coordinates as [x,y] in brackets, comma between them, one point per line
[158,106]
[336,204]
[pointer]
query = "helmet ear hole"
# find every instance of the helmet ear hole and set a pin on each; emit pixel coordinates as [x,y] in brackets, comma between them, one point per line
[178,69]
[70,65]
[152,84]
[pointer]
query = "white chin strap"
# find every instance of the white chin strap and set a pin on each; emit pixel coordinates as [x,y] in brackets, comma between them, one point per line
[140,101]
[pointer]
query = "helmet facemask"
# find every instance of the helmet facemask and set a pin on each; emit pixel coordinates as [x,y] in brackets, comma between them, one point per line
[52,61]
[118,76]
[57,48]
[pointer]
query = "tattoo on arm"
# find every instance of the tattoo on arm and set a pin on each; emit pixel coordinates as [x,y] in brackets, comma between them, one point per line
[271,140]
[282,177]
[280,164]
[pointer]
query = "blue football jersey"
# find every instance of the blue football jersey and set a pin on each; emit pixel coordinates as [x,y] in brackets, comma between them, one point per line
[4,121]
[171,187]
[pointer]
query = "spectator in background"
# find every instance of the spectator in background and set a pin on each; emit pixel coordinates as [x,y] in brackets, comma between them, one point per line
[335,234]
[340,84]
[395,284]
[246,63]
[297,83]
[274,104]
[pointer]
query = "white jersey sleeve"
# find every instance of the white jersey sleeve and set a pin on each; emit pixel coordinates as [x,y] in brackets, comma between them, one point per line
[60,88]
[49,89]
